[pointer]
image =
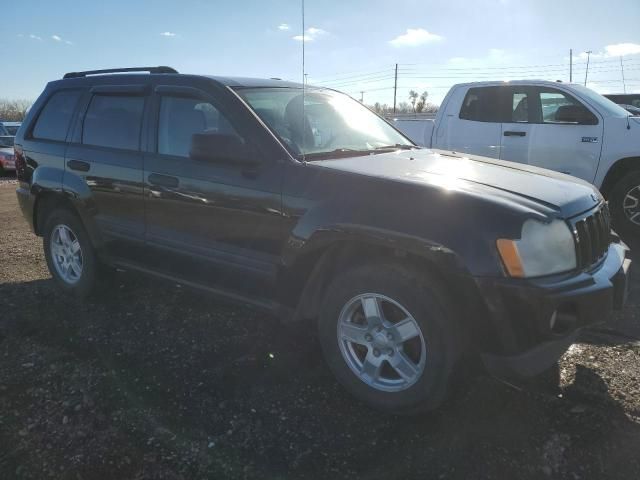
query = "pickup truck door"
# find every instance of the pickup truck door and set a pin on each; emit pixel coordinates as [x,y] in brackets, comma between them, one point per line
[565,135]
[473,125]
[517,123]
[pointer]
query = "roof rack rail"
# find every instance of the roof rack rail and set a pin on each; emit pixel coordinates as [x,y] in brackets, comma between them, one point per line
[121,70]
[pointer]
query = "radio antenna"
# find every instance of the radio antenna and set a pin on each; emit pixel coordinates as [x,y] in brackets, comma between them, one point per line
[304,129]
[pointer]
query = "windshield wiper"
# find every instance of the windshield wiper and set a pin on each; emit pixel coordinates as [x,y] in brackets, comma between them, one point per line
[397,146]
[337,153]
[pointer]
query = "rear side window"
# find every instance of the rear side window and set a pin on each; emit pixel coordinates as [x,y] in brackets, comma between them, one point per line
[482,104]
[114,121]
[53,122]
[181,117]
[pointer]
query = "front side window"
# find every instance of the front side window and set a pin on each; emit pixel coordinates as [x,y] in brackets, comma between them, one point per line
[482,104]
[53,122]
[557,107]
[114,121]
[322,122]
[181,118]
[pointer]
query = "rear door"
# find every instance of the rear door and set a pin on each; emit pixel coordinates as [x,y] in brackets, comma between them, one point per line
[566,135]
[475,128]
[105,155]
[516,125]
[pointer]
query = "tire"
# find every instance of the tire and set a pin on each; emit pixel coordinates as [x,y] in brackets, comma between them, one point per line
[82,280]
[400,291]
[626,220]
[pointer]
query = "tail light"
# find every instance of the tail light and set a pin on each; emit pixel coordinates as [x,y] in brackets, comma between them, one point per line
[20,163]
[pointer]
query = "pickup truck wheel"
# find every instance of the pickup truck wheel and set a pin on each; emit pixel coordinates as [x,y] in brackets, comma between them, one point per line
[387,334]
[69,253]
[625,203]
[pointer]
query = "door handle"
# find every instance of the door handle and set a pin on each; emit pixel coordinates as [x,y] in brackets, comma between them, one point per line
[78,165]
[163,180]
[512,133]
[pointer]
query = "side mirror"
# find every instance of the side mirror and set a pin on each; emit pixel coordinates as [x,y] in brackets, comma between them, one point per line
[222,148]
[575,114]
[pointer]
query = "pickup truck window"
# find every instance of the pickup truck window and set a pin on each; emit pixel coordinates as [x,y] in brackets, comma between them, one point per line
[558,107]
[114,121]
[181,117]
[519,107]
[482,104]
[330,123]
[53,122]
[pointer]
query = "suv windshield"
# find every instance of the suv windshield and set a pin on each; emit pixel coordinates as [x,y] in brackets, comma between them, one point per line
[330,124]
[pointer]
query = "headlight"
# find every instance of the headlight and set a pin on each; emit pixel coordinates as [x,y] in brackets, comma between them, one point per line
[543,249]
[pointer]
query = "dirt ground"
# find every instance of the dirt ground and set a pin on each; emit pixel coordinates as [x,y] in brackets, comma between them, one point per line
[150,380]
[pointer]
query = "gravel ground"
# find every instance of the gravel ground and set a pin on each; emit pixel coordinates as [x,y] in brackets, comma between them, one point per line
[150,380]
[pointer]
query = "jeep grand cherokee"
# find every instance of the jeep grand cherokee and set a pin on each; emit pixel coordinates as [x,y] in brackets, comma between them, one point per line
[305,203]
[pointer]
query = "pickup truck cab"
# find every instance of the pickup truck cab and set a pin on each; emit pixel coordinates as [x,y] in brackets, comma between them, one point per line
[302,202]
[559,126]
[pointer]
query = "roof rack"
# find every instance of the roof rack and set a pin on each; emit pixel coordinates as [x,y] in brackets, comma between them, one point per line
[121,70]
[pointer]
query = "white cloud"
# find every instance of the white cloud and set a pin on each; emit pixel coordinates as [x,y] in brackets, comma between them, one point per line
[621,49]
[310,35]
[68,42]
[284,26]
[56,38]
[34,37]
[415,37]
[615,50]
[169,34]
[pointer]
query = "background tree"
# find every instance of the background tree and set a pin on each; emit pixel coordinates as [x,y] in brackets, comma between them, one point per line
[14,110]
[422,102]
[413,98]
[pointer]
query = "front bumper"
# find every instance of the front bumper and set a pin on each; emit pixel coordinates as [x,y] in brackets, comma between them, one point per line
[537,320]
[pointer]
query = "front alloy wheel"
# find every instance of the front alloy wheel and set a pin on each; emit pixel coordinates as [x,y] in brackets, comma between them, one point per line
[388,332]
[381,342]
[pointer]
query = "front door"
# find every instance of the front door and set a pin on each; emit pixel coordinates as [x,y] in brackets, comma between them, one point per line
[566,135]
[216,222]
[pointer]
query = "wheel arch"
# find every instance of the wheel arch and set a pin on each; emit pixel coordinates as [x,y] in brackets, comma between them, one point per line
[303,283]
[617,171]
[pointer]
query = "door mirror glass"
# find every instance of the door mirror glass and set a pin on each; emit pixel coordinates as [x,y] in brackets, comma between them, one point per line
[220,147]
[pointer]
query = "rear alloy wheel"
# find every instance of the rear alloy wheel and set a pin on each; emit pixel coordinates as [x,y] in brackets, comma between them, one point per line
[388,334]
[69,253]
[66,254]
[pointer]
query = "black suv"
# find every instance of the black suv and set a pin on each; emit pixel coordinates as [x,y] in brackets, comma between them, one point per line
[303,202]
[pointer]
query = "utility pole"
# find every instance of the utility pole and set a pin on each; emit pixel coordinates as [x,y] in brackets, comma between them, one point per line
[395,89]
[361,96]
[624,84]
[586,72]
[570,65]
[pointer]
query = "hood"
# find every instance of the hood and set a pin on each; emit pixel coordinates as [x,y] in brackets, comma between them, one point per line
[545,191]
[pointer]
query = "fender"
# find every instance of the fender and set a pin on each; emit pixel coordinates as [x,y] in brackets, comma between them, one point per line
[66,187]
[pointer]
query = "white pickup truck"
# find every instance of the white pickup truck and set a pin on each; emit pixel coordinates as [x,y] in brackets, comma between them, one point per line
[560,126]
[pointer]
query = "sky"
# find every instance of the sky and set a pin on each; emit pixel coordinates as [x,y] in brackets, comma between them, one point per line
[352,46]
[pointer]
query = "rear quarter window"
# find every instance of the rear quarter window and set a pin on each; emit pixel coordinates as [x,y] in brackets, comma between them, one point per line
[54,119]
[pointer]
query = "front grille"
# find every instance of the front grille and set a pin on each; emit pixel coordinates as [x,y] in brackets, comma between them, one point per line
[592,232]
